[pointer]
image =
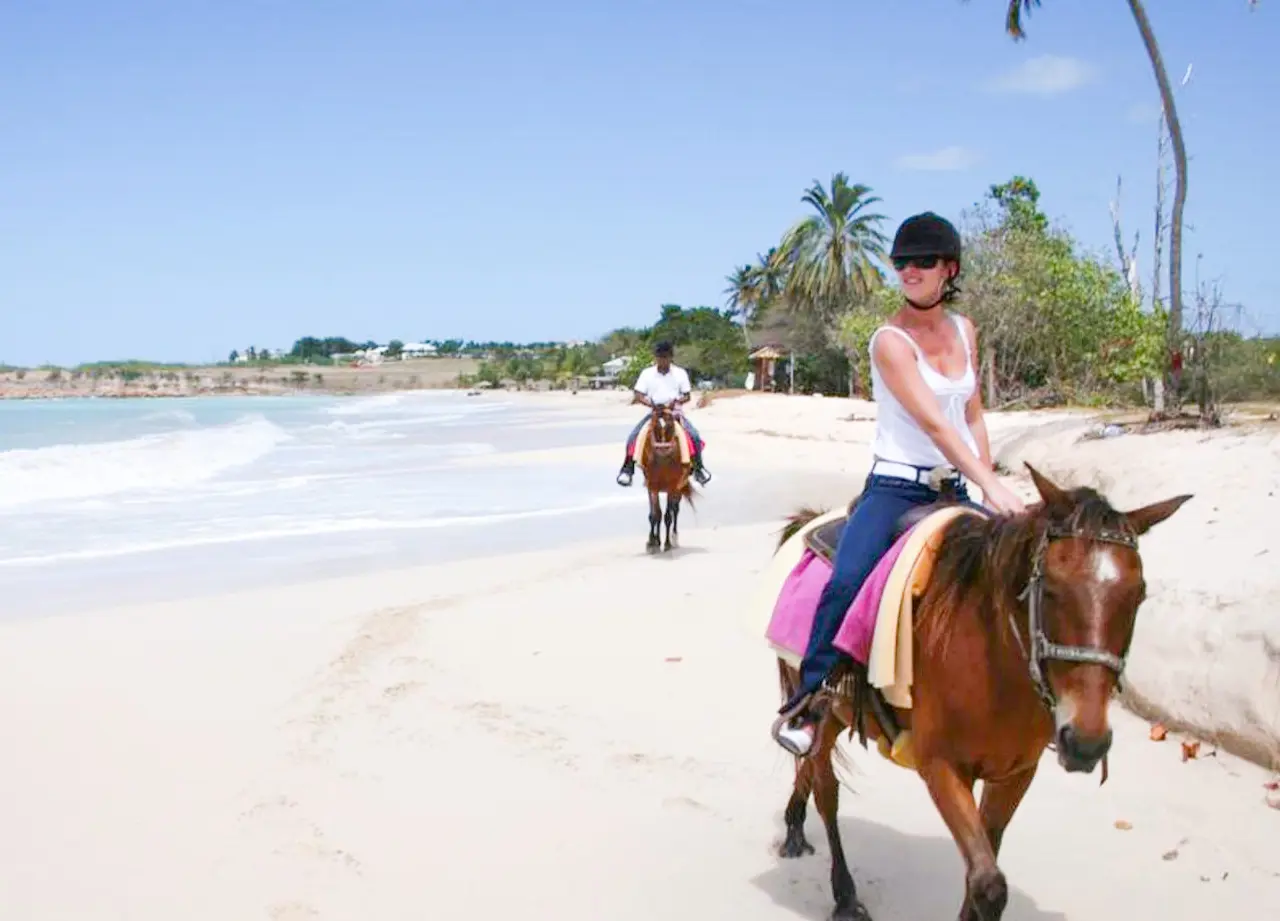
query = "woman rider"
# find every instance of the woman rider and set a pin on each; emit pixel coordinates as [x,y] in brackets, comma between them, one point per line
[929,414]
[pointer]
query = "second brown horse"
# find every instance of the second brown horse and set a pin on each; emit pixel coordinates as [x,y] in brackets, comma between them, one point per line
[665,471]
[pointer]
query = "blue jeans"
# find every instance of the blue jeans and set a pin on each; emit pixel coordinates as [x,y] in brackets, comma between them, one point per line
[683,420]
[867,536]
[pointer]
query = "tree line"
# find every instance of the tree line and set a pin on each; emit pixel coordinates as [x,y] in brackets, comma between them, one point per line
[1058,323]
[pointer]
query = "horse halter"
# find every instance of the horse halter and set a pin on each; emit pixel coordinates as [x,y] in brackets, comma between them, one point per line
[1042,649]
[657,414]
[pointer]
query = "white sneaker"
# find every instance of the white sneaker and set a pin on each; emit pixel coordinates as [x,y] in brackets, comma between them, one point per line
[795,739]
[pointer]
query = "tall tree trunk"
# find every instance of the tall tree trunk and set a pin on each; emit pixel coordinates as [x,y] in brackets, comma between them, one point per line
[1161,225]
[1173,335]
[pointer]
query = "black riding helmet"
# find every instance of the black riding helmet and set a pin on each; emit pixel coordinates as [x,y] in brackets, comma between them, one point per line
[926,234]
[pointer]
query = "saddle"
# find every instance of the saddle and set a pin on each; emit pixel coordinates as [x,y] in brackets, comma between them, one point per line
[824,539]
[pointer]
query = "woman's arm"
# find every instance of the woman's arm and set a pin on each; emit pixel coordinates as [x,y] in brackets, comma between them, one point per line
[973,412]
[896,360]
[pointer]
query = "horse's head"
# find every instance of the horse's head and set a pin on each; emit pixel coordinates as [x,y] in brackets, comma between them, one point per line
[663,432]
[1082,597]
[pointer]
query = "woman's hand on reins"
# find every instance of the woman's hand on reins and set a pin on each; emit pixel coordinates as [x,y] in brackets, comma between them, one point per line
[1001,499]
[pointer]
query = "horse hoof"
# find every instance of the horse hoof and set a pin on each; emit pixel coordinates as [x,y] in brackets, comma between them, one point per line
[795,846]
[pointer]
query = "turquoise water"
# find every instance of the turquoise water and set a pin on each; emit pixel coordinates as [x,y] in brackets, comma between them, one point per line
[117,500]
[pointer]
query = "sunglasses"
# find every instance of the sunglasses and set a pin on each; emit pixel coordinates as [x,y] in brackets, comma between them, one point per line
[920,262]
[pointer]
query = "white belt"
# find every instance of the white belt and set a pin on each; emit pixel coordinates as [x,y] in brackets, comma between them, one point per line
[933,477]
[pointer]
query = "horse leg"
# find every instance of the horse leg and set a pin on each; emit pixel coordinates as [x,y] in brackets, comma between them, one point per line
[671,517]
[655,516]
[826,795]
[999,802]
[796,844]
[986,891]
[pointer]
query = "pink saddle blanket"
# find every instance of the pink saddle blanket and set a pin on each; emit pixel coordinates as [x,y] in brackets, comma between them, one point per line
[793,612]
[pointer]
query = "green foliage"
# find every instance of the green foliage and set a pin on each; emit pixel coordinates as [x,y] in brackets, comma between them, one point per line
[855,328]
[707,342]
[1055,323]
[831,255]
[309,348]
[1248,369]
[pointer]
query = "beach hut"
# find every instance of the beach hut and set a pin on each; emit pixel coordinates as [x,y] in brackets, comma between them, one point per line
[764,367]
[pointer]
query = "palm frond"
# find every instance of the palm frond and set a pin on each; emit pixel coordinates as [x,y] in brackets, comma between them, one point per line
[1013,19]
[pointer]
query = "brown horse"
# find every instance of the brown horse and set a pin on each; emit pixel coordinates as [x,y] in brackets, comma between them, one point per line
[665,472]
[1020,639]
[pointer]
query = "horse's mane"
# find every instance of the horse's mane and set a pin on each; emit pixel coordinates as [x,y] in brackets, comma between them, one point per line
[985,562]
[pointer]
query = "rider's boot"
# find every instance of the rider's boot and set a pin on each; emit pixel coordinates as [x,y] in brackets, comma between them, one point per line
[796,731]
[627,472]
[700,473]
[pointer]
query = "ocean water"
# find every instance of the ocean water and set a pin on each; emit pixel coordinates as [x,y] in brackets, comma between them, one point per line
[106,502]
[112,501]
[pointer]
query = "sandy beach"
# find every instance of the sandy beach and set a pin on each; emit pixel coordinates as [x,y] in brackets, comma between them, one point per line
[581,732]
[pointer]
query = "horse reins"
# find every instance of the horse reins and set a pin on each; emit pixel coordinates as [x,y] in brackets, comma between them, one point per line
[1042,649]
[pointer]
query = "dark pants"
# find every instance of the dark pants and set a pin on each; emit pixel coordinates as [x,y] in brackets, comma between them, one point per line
[683,420]
[868,535]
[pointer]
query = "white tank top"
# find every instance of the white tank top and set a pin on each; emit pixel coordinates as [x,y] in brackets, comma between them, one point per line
[898,436]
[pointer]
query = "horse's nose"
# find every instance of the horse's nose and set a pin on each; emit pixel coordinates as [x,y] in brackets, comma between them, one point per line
[1081,753]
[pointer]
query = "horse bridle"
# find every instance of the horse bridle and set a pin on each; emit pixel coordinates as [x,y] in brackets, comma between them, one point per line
[1042,649]
[656,413]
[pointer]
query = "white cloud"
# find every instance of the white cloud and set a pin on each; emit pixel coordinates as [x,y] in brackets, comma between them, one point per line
[1046,75]
[948,158]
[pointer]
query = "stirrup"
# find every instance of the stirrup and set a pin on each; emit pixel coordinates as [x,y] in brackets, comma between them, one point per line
[702,475]
[798,742]
[624,477]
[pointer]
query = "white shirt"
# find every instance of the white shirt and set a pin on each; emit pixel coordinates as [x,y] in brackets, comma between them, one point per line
[898,436]
[663,388]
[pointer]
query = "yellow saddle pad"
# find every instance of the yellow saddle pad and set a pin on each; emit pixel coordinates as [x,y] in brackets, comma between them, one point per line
[889,664]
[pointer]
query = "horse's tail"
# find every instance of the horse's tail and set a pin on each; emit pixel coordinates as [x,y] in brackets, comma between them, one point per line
[788,679]
[687,493]
[797,520]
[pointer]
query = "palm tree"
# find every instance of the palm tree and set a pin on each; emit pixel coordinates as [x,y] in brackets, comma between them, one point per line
[1013,25]
[754,288]
[742,298]
[830,256]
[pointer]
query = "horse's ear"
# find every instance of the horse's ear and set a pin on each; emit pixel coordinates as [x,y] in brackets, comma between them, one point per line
[1144,519]
[1053,496]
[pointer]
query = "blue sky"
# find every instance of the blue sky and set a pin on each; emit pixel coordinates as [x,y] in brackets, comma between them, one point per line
[180,178]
